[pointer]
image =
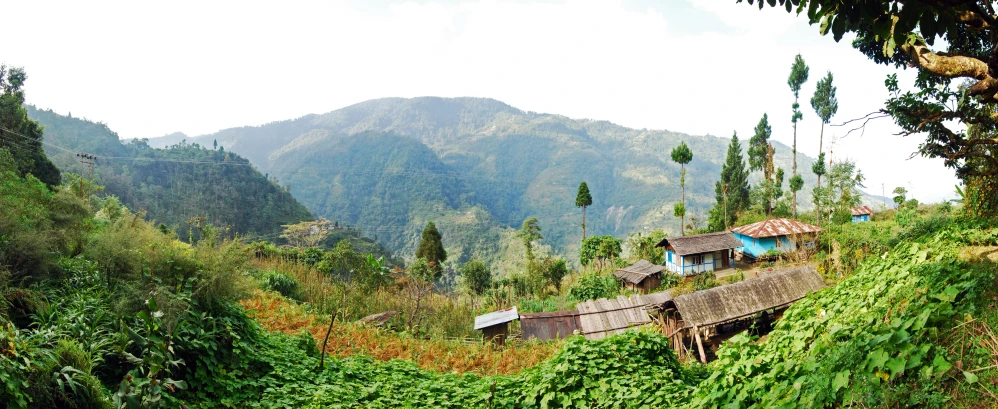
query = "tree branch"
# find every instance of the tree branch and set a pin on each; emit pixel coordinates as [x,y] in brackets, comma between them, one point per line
[946,66]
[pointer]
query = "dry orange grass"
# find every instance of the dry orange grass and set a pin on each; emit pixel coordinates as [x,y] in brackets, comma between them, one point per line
[276,313]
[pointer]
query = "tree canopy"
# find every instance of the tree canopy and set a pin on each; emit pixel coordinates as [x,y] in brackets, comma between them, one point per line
[19,134]
[904,34]
[431,246]
[732,191]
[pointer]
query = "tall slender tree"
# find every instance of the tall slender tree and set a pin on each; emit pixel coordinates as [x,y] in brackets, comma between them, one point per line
[431,248]
[732,191]
[798,76]
[583,199]
[826,105]
[682,155]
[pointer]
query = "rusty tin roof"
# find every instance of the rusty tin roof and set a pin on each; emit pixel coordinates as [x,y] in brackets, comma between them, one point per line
[775,227]
[861,210]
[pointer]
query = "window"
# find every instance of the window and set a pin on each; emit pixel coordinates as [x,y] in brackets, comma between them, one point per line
[697,259]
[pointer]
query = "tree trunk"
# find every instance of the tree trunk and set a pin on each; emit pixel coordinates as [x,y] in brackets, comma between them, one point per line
[583,223]
[682,184]
[795,168]
[821,141]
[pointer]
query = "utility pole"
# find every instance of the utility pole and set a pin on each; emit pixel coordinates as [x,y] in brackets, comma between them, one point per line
[88,160]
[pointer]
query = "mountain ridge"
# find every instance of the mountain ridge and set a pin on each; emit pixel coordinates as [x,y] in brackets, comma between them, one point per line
[508,162]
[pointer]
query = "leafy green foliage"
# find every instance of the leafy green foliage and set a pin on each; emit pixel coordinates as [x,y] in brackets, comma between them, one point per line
[732,191]
[642,246]
[861,342]
[282,283]
[431,248]
[824,101]
[145,386]
[583,198]
[592,286]
[476,276]
[600,249]
[19,135]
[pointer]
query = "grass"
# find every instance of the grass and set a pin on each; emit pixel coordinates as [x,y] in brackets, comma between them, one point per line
[973,341]
[276,313]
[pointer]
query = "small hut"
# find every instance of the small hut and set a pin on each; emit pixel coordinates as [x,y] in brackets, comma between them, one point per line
[495,325]
[714,315]
[642,276]
[607,316]
[701,253]
[861,214]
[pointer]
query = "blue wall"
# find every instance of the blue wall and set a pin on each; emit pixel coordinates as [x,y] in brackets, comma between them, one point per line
[861,218]
[758,247]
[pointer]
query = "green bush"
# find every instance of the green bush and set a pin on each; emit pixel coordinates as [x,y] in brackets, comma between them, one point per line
[593,286]
[282,283]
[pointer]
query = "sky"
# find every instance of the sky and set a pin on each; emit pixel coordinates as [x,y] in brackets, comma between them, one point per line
[692,66]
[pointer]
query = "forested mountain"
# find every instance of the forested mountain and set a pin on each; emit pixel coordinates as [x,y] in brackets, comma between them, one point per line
[389,165]
[175,184]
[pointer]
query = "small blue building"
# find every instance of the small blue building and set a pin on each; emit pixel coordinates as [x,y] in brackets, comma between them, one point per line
[861,214]
[773,234]
[691,255]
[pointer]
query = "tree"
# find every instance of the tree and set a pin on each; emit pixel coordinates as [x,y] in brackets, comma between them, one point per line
[477,276]
[21,136]
[642,246]
[761,154]
[798,76]
[899,196]
[825,104]
[431,249]
[843,183]
[818,195]
[682,155]
[969,53]
[583,199]
[732,191]
[530,232]
[599,248]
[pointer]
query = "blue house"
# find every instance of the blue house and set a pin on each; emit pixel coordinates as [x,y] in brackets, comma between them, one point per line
[773,234]
[861,214]
[691,255]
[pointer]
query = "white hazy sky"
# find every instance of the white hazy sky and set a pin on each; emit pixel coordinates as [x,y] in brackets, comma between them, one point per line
[692,66]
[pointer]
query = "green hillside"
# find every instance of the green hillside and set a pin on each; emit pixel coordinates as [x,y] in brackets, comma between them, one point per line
[388,165]
[174,184]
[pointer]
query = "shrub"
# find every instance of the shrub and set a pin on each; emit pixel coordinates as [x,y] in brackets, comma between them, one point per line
[282,283]
[705,281]
[477,276]
[597,248]
[592,286]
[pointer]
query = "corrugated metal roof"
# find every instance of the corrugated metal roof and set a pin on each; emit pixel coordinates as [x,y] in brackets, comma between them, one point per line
[775,227]
[637,272]
[701,243]
[496,318]
[861,210]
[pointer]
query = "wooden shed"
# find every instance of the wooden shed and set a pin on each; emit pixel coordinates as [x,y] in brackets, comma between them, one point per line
[495,325]
[642,276]
[711,316]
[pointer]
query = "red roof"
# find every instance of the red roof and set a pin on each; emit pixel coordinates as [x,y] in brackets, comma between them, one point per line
[861,210]
[775,227]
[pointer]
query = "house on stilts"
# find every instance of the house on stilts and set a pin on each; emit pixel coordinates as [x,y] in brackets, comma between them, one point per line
[699,321]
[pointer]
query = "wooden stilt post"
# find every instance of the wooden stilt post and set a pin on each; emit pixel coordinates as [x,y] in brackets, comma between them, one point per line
[696,335]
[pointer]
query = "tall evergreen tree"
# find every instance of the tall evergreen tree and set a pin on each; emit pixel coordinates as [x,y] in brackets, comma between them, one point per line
[760,154]
[798,76]
[21,136]
[682,155]
[530,232]
[732,191]
[583,199]
[431,247]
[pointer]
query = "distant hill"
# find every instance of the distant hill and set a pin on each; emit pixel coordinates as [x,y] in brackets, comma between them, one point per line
[478,166]
[175,183]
